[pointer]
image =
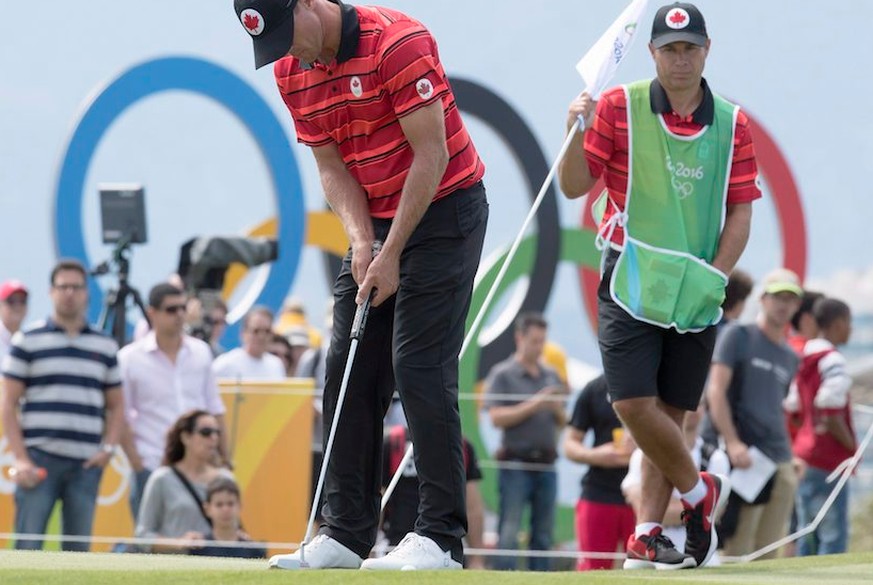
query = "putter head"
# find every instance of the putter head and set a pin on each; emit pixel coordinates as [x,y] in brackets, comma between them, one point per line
[288,562]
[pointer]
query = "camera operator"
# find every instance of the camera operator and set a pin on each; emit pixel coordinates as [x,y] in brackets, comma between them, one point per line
[207,319]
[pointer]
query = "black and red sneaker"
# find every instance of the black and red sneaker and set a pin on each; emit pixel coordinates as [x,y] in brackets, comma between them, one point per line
[655,551]
[701,539]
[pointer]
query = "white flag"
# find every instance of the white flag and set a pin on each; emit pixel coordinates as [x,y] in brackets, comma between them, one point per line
[600,62]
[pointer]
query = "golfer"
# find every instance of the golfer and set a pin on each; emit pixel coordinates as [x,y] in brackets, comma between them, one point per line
[368,94]
[680,175]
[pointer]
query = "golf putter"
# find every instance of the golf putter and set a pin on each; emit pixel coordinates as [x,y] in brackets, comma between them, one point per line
[357,332]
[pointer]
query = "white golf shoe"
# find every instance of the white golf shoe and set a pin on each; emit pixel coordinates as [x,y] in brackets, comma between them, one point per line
[414,553]
[322,553]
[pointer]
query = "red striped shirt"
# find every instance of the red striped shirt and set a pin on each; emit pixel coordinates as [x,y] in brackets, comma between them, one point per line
[606,149]
[357,104]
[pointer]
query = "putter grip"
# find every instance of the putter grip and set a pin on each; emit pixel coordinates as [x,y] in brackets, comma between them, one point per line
[361,314]
[363,310]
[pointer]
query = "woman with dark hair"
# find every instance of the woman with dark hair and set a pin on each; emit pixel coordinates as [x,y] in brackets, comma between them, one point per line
[172,505]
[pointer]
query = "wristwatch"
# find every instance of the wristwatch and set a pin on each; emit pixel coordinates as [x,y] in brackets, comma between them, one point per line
[108,448]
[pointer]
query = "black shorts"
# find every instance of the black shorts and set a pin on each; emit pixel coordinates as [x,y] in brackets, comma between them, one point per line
[641,360]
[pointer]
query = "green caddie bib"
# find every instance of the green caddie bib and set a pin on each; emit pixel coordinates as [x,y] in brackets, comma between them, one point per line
[673,217]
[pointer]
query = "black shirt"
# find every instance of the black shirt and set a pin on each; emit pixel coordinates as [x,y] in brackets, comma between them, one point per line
[593,411]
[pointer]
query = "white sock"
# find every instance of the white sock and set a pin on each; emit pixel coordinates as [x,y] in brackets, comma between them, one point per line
[645,528]
[697,493]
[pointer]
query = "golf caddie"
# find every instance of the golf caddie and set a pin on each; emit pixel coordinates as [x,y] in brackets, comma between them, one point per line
[368,94]
[680,174]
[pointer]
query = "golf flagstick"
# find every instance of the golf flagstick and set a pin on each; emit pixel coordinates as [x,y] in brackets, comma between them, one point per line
[596,68]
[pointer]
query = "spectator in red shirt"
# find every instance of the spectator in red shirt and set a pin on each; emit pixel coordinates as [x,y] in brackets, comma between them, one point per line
[820,396]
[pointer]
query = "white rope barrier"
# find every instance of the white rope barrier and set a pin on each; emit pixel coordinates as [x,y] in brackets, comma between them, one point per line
[844,472]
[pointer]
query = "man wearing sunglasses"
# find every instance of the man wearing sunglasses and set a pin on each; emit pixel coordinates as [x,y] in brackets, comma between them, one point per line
[163,375]
[252,361]
[369,95]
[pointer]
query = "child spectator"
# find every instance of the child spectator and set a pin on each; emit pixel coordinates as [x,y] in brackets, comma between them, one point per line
[820,397]
[223,506]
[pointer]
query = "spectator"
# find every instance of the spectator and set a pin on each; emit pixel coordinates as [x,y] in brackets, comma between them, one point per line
[252,361]
[752,367]
[706,456]
[280,347]
[13,309]
[206,319]
[826,437]
[172,504]
[163,375]
[603,519]
[294,316]
[223,505]
[401,509]
[738,289]
[62,412]
[298,339]
[524,399]
[803,323]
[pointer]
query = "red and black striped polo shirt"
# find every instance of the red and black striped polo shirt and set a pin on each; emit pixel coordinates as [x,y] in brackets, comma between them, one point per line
[388,67]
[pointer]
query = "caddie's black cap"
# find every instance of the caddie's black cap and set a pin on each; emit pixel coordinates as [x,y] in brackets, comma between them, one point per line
[679,21]
[271,26]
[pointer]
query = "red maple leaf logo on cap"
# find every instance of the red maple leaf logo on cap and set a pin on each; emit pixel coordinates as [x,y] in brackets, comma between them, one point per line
[251,22]
[677,17]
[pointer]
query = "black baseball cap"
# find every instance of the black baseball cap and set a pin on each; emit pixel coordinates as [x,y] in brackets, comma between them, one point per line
[271,26]
[679,21]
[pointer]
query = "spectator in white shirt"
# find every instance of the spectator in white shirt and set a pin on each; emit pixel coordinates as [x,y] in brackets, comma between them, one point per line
[252,361]
[163,375]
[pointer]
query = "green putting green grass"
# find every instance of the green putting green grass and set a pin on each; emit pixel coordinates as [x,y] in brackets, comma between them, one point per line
[97,569]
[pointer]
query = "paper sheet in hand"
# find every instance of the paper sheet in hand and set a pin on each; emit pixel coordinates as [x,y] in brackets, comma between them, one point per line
[748,483]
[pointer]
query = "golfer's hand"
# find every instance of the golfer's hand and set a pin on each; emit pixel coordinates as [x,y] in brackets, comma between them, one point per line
[582,106]
[362,255]
[383,274]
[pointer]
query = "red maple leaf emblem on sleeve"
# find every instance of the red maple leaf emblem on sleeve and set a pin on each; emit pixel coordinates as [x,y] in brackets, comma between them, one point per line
[423,87]
[355,83]
[677,17]
[251,22]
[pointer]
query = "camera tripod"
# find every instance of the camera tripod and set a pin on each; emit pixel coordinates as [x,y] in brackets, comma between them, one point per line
[113,314]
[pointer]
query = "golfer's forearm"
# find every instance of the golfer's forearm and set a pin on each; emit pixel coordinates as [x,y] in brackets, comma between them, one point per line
[734,237]
[428,167]
[349,202]
[574,177]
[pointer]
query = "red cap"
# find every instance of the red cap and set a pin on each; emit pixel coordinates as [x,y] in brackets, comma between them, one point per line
[10,287]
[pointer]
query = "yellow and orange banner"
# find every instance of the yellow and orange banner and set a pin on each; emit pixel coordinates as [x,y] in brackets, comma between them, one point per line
[269,437]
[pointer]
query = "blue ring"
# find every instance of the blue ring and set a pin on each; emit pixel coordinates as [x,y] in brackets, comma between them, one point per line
[229,90]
